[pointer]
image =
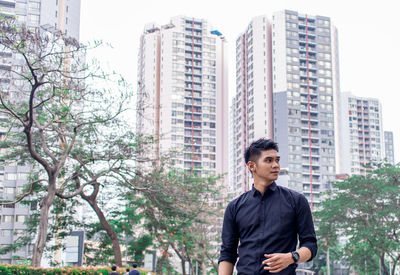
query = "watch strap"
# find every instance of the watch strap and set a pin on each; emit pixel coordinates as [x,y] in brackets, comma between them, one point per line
[295,256]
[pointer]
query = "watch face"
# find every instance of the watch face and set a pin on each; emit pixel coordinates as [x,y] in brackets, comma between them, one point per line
[295,256]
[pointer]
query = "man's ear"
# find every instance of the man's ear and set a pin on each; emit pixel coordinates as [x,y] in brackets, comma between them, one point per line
[251,165]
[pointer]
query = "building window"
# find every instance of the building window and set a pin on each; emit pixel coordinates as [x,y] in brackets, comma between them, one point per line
[6,233]
[9,190]
[33,19]
[20,218]
[34,6]
[7,218]
[23,176]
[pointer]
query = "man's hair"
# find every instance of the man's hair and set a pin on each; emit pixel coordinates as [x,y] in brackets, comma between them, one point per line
[253,152]
[134,265]
[114,267]
[127,270]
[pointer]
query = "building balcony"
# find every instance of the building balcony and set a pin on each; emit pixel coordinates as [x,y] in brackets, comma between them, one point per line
[312,110]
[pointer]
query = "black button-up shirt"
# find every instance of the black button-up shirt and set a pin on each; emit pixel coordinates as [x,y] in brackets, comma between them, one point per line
[265,225]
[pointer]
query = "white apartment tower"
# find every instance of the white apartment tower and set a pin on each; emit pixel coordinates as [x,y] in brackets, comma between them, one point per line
[361,135]
[251,115]
[306,85]
[63,15]
[287,83]
[183,93]
[389,147]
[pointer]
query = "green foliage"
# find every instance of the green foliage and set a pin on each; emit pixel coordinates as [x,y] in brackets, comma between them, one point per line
[180,211]
[26,270]
[362,214]
[6,269]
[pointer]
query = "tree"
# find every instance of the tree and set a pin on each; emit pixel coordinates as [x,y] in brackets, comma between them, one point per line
[51,106]
[365,210]
[180,211]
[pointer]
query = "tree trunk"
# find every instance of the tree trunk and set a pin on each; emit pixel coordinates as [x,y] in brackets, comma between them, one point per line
[203,268]
[191,268]
[41,239]
[393,268]
[385,269]
[181,256]
[183,266]
[107,227]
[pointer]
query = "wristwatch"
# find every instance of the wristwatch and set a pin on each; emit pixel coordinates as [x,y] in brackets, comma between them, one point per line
[295,256]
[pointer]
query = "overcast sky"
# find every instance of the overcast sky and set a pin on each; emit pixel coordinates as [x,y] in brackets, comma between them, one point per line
[369,38]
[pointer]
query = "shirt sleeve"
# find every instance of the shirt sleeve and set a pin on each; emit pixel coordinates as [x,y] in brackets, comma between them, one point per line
[305,227]
[230,237]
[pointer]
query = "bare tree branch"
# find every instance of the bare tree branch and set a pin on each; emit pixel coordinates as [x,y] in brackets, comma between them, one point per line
[27,193]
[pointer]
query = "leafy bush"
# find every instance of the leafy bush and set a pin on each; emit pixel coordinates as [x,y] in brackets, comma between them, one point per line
[27,270]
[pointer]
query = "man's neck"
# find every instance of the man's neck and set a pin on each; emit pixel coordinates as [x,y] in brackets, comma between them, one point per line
[262,186]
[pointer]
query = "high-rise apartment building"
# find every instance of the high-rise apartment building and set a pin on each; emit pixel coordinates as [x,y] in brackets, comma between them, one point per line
[251,115]
[63,15]
[361,140]
[389,147]
[287,81]
[183,93]
[305,76]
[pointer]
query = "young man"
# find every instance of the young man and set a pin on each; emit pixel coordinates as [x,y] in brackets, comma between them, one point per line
[134,271]
[267,221]
[114,270]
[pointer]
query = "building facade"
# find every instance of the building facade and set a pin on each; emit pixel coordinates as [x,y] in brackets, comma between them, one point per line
[63,15]
[361,134]
[305,77]
[183,93]
[287,83]
[389,147]
[251,113]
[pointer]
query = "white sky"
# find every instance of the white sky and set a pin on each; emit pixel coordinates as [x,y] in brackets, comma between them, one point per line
[369,38]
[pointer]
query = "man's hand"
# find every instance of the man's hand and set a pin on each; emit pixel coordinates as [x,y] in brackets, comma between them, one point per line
[277,262]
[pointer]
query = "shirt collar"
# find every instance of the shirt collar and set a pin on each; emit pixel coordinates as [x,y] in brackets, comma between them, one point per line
[272,187]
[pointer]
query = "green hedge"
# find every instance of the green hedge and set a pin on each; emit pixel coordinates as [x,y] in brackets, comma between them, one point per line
[27,270]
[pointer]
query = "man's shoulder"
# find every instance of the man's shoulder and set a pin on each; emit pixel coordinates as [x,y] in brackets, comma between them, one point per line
[287,190]
[237,202]
[240,199]
[291,194]
[134,272]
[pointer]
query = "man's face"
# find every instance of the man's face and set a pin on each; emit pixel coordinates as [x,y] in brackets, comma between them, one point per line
[267,166]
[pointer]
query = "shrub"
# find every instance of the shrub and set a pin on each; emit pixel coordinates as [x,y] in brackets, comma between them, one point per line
[6,269]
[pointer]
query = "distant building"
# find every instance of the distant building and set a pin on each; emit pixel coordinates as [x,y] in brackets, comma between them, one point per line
[183,93]
[305,88]
[63,15]
[389,147]
[251,114]
[286,86]
[361,134]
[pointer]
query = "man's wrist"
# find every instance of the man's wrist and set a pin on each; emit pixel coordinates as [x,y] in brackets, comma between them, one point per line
[291,260]
[295,256]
